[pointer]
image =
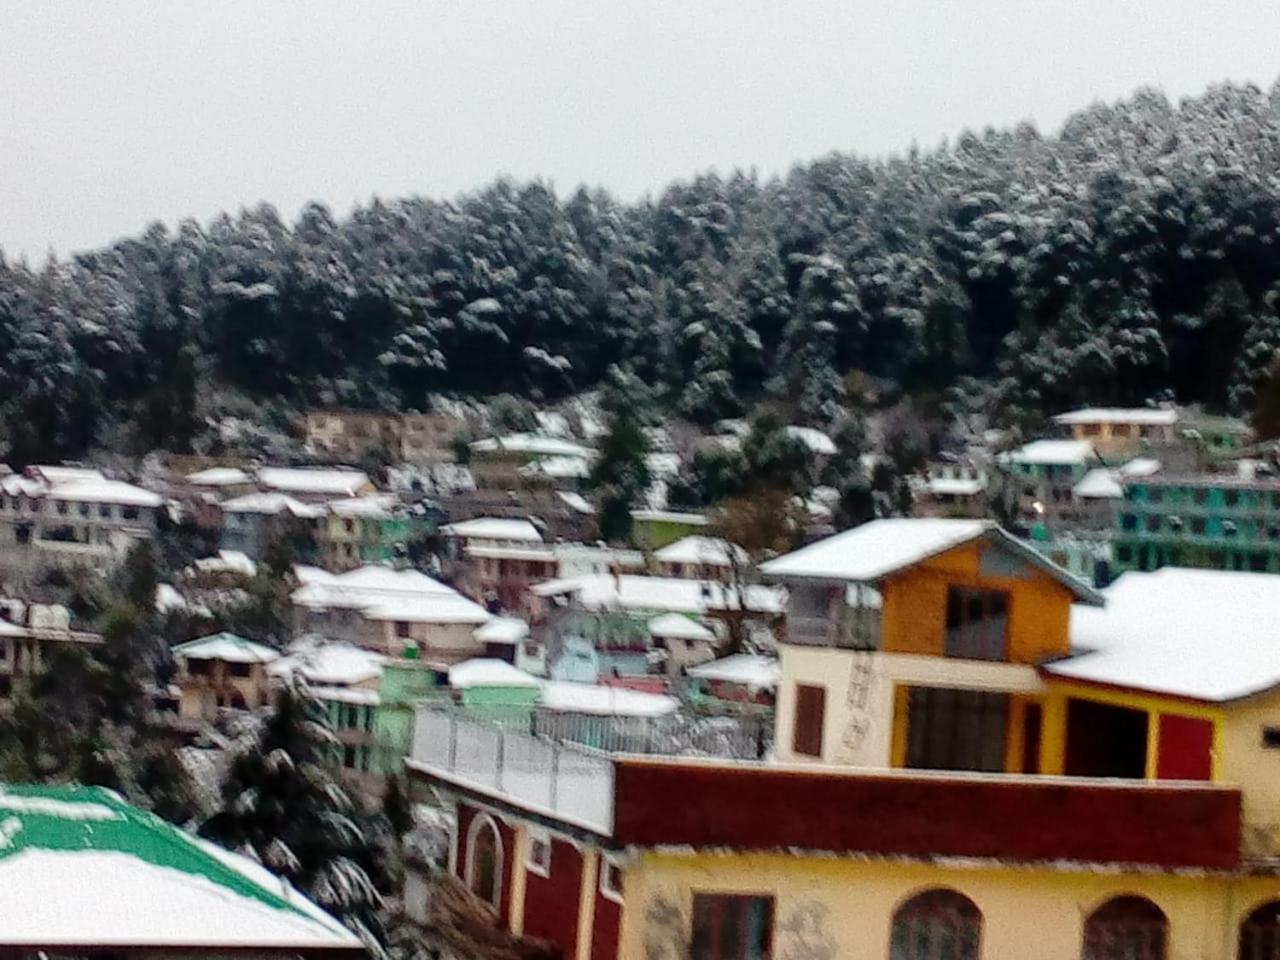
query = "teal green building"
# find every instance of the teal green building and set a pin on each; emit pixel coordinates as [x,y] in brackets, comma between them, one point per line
[1212,521]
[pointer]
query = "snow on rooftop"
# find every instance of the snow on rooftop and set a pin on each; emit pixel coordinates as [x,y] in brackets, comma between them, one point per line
[101,490]
[328,663]
[314,480]
[79,866]
[57,474]
[1099,483]
[694,549]
[225,646]
[502,630]
[749,670]
[1143,416]
[359,696]
[642,594]
[1140,467]
[955,486]
[817,441]
[1204,634]
[566,696]
[533,445]
[227,561]
[670,516]
[370,587]
[373,505]
[677,626]
[219,477]
[434,608]
[876,549]
[493,528]
[488,672]
[1052,452]
[271,504]
[559,467]
[576,502]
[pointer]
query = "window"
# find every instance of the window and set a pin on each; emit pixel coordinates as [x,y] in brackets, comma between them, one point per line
[1153,523]
[977,623]
[1231,498]
[200,668]
[104,510]
[611,878]
[60,506]
[539,859]
[484,860]
[1090,430]
[1124,554]
[936,925]
[402,629]
[731,927]
[956,729]
[1128,521]
[810,718]
[1201,496]
[1155,495]
[129,513]
[1198,525]
[239,669]
[1126,928]
[84,509]
[1258,562]
[1271,738]
[1260,933]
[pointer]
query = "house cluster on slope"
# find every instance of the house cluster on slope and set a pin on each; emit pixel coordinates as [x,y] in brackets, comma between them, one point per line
[976,755]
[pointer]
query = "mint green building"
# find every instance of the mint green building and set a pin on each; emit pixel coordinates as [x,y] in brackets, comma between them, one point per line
[1212,521]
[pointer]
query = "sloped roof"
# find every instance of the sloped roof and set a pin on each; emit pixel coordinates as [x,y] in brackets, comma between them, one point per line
[488,672]
[567,696]
[1054,452]
[317,480]
[80,867]
[532,444]
[328,663]
[225,646]
[271,504]
[658,594]
[705,550]
[873,551]
[219,477]
[502,630]
[493,528]
[1144,416]
[750,670]
[1099,483]
[1204,634]
[678,626]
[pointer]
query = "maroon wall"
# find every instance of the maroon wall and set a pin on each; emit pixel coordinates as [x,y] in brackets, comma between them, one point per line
[754,807]
[551,902]
[1186,748]
[466,814]
[608,925]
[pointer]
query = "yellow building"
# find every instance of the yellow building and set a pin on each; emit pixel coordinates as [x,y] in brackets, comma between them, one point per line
[221,671]
[977,756]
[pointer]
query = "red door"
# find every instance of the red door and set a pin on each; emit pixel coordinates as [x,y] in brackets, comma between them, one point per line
[1186,749]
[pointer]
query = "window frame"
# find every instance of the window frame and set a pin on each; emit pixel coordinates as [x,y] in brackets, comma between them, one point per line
[610,862]
[960,598]
[741,900]
[538,837]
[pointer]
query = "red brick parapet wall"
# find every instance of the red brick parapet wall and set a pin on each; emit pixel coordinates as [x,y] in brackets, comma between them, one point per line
[678,803]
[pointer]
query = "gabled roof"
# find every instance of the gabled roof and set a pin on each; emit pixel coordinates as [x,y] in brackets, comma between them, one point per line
[79,867]
[493,528]
[677,626]
[507,630]
[328,663]
[1203,634]
[488,672]
[748,669]
[1052,452]
[704,550]
[314,480]
[225,646]
[875,550]
[271,504]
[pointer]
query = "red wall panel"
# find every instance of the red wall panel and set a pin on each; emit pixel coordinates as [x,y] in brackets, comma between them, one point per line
[755,807]
[608,925]
[551,902]
[1186,749]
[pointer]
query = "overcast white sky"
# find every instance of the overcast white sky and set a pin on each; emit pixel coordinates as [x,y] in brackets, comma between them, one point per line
[113,114]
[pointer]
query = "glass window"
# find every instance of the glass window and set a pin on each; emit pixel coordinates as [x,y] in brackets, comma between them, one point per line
[1231,498]
[1155,494]
[611,877]
[1201,496]
[1126,928]
[809,719]
[977,623]
[1153,523]
[484,860]
[129,513]
[1128,521]
[936,924]
[731,927]
[956,729]
[1197,525]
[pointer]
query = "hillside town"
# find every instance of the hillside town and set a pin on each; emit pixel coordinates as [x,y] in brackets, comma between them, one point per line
[1038,672]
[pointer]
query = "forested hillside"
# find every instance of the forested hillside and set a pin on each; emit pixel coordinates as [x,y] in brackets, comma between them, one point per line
[1133,256]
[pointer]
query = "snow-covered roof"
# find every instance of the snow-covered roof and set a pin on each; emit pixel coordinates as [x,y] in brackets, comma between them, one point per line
[1140,467]
[366,588]
[1143,416]
[225,646]
[488,672]
[493,528]
[663,464]
[271,504]
[373,505]
[100,490]
[1052,452]
[679,627]
[533,445]
[576,502]
[877,549]
[712,551]
[658,594]
[219,477]
[359,696]
[80,867]
[314,480]
[502,630]
[566,696]
[955,486]
[1204,634]
[750,670]
[559,467]
[670,516]
[433,608]
[1099,483]
[328,663]
[817,441]
[227,561]
[512,551]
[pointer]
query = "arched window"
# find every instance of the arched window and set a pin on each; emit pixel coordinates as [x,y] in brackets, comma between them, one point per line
[1126,928]
[484,859]
[936,925]
[1260,934]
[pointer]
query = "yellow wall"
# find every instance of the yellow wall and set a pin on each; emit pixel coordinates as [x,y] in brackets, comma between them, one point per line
[1243,760]
[915,607]
[846,905]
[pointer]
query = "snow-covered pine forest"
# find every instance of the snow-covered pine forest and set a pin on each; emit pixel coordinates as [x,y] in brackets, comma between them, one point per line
[1132,256]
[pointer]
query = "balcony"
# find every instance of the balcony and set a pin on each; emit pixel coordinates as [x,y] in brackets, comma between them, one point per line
[740,805]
